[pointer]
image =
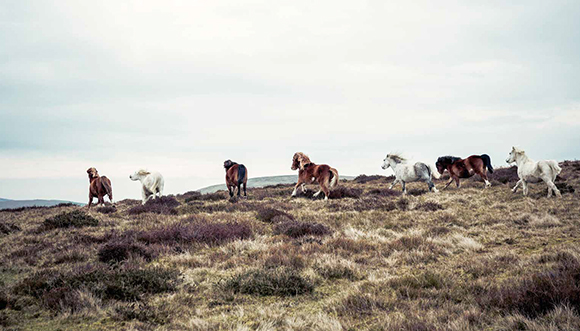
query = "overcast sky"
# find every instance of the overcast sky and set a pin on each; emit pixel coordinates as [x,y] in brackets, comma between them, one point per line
[181,86]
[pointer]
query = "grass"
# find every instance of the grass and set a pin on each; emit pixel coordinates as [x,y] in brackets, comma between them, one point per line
[367,259]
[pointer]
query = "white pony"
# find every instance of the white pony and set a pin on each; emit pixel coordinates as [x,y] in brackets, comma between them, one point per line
[410,172]
[152,183]
[530,171]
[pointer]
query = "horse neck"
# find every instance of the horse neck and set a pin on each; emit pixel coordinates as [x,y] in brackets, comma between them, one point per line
[92,179]
[393,164]
[523,158]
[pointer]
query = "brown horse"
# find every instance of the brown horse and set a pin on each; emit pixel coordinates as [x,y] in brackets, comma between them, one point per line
[465,168]
[236,175]
[309,172]
[99,187]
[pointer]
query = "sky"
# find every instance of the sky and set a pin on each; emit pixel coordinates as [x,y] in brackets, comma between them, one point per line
[181,86]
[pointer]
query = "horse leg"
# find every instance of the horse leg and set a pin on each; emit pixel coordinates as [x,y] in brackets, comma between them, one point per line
[239,189]
[484,177]
[245,194]
[296,187]
[393,183]
[326,191]
[431,186]
[230,191]
[404,187]
[457,183]
[90,201]
[552,187]
[525,186]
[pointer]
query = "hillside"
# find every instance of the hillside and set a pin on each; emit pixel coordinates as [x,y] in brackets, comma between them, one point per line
[260,182]
[367,259]
[7,203]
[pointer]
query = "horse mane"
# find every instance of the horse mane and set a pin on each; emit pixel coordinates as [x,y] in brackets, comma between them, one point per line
[302,159]
[518,150]
[448,159]
[396,157]
[143,172]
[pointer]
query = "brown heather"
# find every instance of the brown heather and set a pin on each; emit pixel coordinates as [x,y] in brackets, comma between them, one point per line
[367,259]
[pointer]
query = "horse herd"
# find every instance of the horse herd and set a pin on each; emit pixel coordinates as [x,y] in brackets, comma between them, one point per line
[529,171]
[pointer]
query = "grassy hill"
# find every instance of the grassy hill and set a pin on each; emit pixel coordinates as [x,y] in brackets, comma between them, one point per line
[367,259]
[260,182]
[7,203]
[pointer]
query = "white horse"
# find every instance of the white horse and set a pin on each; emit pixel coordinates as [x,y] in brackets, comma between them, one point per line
[152,183]
[410,172]
[530,171]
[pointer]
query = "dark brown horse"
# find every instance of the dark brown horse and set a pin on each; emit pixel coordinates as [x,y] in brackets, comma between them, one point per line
[465,168]
[236,175]
[99,187]
[309,172]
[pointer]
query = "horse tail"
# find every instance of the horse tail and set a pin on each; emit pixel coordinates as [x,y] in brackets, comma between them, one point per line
[241,173]
[487,162]
[107,185]
[334,179]
[554,165]
[433,171]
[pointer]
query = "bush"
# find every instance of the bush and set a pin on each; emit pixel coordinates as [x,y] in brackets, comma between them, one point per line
[564,187]
[384,192]
[128,284]
[539,293]
[163,205]
[296,229]
[121,250]
[75,218]
[505,175]
[220,195]
[8,228]
[107,209]
[344,192]
[429,206]
[363,179]
[200,232]
[267,282]
[271,215]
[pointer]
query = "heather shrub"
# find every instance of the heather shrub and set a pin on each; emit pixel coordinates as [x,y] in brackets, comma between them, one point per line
[384,192]
[504,175]
[19,209]
[403,203]
[216,196]
[374,203]
[344,192]
[363,179]
[126,284]
[538,293]
[283,258]
[122,249]
[271,215]
[106,209]
[362,304]
[416,192]
[75,218]
[196,232]
[429,206]
[564,187]
[8,228]
[163,205]
[296,229]
[268,282]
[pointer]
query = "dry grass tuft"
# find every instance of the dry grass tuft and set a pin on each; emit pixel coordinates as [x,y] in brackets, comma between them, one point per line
[296,229]
[268,282]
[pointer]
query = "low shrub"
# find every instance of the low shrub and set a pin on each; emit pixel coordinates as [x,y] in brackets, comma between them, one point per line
[279,258]
[8,228]
[564,187]
[338,269]
[121,250]
[19,209]
[374,203]
[196,232]
[411,286]
[107,209]
[268,282]
[344,192]
[296,229]
[143,312]
[505,175]
[75,218]
[216,196]
[538,293]
[271,215]
[384,192]
[363,179]
[403,203]
[164,205]
[416,192]
[125,284]
[362,304]
[429,206]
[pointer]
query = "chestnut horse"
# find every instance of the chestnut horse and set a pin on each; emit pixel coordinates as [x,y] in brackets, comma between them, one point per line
[236,175]
[465,168]
[326,176]
[99,187]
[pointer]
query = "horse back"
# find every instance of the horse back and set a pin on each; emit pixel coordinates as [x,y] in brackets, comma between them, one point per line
[232,175]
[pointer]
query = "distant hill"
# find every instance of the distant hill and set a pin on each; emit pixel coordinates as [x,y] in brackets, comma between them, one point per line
[261,182]
[7,203]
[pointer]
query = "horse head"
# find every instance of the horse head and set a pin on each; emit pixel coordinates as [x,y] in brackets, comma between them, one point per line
[228,164]
[514,154]
[93,173]
[139,174]
[299,161]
